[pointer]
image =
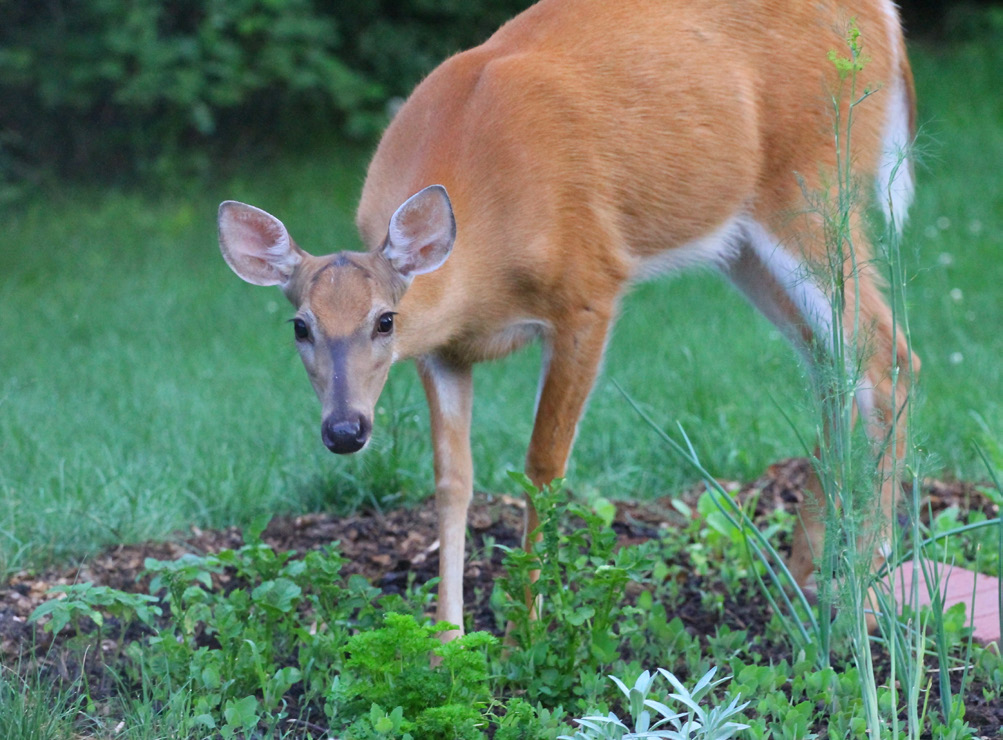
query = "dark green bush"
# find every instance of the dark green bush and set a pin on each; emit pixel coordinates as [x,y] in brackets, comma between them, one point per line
[128,84]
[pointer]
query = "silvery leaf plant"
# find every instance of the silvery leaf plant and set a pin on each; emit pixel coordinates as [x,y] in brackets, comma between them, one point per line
[653,719]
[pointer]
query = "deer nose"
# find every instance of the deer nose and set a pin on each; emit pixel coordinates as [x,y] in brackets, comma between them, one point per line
[344,436]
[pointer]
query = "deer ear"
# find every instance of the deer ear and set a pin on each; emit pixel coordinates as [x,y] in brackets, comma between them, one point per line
[421,233]
[256,245]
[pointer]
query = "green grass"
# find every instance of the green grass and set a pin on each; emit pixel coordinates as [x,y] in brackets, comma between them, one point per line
[32,710]
[144,388]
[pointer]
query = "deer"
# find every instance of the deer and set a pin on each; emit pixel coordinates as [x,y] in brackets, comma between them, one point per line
[527,183]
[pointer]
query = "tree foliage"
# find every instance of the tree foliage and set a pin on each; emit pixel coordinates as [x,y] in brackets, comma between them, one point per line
[125,84]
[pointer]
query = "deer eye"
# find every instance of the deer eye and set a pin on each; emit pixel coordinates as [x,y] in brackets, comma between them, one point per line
[385,324]
[301,329]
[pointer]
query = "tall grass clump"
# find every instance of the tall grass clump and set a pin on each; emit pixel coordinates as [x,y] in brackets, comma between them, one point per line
[848,476]
[32,710]
[872,599]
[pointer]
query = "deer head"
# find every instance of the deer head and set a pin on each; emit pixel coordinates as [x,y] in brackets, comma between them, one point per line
[346,303]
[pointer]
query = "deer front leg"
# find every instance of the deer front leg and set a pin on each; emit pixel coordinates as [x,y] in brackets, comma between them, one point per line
[449,389]
[575,352]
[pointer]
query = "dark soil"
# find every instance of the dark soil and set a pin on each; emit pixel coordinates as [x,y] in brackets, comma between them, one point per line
[400,547]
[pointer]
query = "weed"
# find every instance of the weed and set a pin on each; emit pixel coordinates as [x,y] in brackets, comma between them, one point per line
[85,600]
[575,620]
[234,649]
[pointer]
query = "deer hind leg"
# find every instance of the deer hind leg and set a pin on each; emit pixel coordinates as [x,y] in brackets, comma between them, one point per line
[777,281]
[889,366]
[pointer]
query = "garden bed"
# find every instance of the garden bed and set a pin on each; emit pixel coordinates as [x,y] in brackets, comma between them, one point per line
[396,550]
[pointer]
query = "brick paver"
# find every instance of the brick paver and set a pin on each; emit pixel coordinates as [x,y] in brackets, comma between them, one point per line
[958,585]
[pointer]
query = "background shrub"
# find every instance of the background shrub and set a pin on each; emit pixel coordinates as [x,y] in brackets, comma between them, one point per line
[133,84]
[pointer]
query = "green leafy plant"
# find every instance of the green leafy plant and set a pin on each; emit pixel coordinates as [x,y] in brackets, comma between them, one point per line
[85,600]
[390,666]
[958,538]
[286,622]
[572,619]
[524,721]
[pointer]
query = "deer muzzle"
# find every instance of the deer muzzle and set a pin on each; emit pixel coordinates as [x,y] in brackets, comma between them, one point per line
[344,435]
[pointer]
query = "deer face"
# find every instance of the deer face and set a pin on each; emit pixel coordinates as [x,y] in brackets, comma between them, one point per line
[344,327]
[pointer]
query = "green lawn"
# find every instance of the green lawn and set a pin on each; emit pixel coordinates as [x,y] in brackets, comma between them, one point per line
[144,388]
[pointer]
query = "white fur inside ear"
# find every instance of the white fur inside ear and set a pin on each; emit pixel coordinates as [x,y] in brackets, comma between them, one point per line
[256,245]
[421,232]
[281,255]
